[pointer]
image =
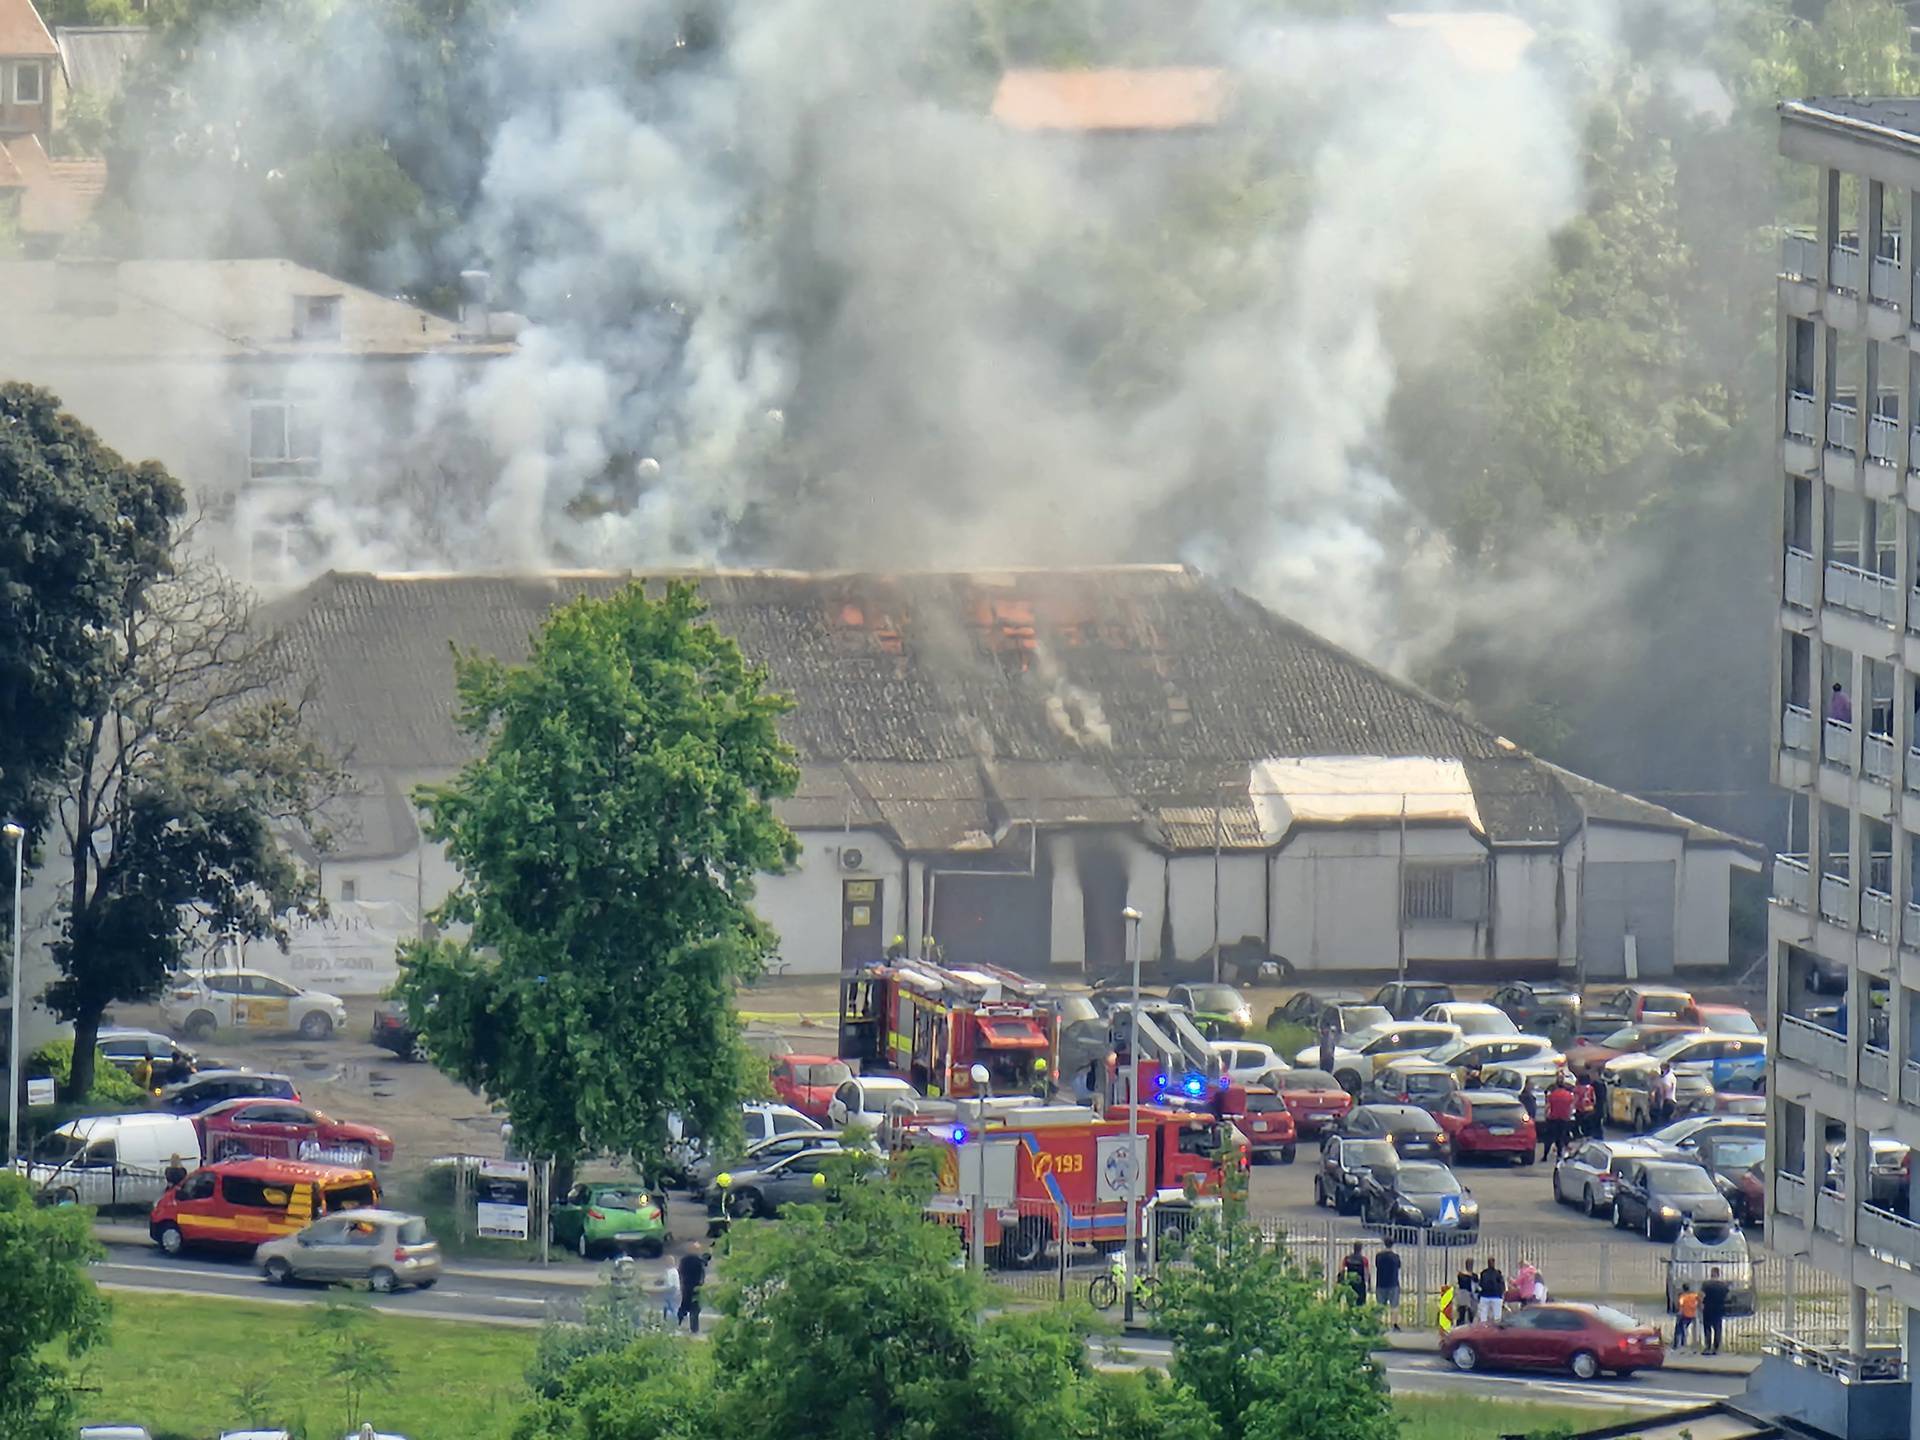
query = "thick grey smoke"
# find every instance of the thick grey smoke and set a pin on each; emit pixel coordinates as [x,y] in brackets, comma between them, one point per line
[801,299]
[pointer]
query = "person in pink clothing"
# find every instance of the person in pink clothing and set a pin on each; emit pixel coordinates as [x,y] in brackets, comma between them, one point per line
[1839,707]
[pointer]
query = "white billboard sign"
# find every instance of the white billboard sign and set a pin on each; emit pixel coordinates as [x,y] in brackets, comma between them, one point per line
[349,951]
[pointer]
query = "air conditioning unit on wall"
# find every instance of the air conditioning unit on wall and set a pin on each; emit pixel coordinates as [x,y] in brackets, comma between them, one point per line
[851,858]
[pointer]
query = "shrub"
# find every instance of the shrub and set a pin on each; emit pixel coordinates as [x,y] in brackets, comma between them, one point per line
[111,1084]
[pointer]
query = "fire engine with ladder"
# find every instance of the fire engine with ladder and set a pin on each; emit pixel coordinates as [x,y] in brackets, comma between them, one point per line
[932,1024]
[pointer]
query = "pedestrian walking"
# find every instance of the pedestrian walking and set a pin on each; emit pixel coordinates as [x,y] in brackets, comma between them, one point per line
[1465,1294]
[1529,1098]
[1553,1135]
[1353,1273]
[1600,1098]
[1493,1293]
[1583,1107]
[1386,1280]
[670,1297]
[1326,1045]
[1686,1307]
[693,1274]
[1666,1090]
[1713,1310]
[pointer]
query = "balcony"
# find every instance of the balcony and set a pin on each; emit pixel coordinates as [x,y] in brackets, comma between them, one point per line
[1888,1234]
[1862,591]
[1836,743]
[1882,438]
[1843,427]
[1883,281]
[1876,914]
[1800,413]
[1836,899]
[1843,268]
[1876,756]
[1799,570]
[1875,1065]
[1810,1044]
[1796,728]
[1790,1195]
[1800,256]
[1910,1084]
[1790,881]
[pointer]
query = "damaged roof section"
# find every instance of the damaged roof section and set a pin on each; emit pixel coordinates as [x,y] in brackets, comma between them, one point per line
[952,708]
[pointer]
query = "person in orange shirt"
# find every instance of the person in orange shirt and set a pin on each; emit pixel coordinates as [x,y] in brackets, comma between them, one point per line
[1687,1305]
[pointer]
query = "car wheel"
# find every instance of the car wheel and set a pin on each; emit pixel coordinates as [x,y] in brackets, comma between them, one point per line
[650,1248]
[1649,1224]
[316,1026]
[1465,1357]
[426,1284]
[381,1281]
[171,1241]
[747,1202]
[1590,1205]
[582,1246]
[66,1195]
[200,1024]
[1553,1176]
[1319,1193]
[1022,1248]
[1619,1220]
[279,1271]
[1286,1154]
[417,1051]
[1585,1365]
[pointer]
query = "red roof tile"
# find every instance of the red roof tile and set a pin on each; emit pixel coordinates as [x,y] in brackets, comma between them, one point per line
[1087,100]
[22,32]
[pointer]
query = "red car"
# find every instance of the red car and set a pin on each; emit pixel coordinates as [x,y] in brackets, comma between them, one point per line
[283,1130]
[1582,1339]
[1488,1123]
[1314,1099]
[1269,1124]
[807,1082]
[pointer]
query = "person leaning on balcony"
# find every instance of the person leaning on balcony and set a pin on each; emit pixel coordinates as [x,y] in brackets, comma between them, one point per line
[1839,707]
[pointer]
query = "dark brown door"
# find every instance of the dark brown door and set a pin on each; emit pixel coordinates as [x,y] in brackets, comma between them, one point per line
[860,940]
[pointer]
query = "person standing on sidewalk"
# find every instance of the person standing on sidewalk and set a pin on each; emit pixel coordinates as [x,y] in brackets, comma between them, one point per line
[1386,1280]
[1353,1274]
[1713,1311]
[1493,1293]
[693,1274]
[670,1297]
[1686,1307]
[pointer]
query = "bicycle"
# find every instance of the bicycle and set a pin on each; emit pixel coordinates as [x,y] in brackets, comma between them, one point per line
[1103,1293]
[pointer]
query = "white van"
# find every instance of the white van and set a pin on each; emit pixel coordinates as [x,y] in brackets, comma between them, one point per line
[113,1159]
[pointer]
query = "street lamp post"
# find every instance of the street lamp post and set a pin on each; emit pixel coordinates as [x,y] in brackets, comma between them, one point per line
[1132,918]
[981,1079]
[18,835]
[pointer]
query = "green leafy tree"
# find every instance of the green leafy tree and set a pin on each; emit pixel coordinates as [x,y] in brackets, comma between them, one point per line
[1265,1346]
[607,842]
[46,1299]
[81,530]
[190,767]
[351,1355]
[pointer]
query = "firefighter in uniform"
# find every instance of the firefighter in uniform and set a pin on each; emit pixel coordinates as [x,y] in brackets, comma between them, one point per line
[897,948]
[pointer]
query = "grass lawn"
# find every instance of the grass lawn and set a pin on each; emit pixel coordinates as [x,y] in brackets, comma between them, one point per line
[173,1364]
[1469,1417]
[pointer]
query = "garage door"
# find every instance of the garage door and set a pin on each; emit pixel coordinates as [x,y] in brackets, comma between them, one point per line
[1622,898]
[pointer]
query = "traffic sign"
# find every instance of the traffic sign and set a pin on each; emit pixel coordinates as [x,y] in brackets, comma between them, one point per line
[1449,1210]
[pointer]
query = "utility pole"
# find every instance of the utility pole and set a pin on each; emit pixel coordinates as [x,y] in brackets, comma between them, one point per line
[1131,917]
[1400,884]
[18,835]
[1217,801]
[981,1078]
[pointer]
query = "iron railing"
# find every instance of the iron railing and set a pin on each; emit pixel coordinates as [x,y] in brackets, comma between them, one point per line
[1790,881]
[1796,728]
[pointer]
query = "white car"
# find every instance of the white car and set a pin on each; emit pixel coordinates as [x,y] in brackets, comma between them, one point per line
[1355,1062]
[198,1004]
[1483,1052]
[869,1099]
[1472,1016]
[1247,1062]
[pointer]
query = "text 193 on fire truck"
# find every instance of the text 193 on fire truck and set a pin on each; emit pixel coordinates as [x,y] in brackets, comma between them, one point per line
[932,1025]
[1041,1157]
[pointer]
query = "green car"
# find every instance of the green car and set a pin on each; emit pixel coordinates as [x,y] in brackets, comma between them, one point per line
[610,1215]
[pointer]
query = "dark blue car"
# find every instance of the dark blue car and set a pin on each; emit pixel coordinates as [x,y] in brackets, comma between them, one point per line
[210,1087]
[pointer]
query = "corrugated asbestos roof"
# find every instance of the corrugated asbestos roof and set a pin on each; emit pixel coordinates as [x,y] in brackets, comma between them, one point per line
[96,57]
[949,708]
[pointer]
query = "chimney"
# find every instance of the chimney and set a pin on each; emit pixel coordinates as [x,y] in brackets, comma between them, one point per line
[86,287]
[476,295]
[316,317]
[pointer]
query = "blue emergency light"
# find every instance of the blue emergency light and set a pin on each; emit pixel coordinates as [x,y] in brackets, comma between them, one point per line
[959,1135]
[1194,1085]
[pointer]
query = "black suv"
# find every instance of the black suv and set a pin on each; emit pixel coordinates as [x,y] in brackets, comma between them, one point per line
[1345,1164]
[1405,999]
[1411,1131]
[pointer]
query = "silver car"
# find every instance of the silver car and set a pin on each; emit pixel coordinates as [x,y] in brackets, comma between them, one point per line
[384,1248]
[1586,1175]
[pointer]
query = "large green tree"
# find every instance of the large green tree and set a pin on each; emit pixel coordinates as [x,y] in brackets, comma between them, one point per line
[47,1300]
[81,531]
[188,774]
[607,842]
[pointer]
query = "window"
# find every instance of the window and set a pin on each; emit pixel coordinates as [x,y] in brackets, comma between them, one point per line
[284,435]
[316,317]
[253,1194]
[224,984]
[197,1186]
[27,85]
[349,890]
[787,1124]
[1455,893]
[1558,1319]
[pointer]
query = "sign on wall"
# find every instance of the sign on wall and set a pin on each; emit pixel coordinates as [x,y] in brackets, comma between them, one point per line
[349,951]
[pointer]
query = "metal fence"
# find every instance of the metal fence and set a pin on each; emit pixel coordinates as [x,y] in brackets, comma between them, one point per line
[1629,1274]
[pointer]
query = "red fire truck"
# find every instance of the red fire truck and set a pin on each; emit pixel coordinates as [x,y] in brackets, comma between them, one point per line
[933,1024]
[1041,1157]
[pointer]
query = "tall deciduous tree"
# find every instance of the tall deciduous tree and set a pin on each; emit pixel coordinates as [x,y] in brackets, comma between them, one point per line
[1266,1348]
[46,1297]
[81,531]
[188,771]
[607,842]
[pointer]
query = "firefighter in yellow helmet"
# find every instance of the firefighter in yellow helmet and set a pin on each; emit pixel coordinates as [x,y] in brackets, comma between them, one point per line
[897,948]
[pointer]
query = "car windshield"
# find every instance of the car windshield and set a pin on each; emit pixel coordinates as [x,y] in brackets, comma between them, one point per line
[1664,1002]
[619,1199]
[1308,1080]
[1672,1048]
[1682,1180]
[833,1072]
[1369,1152]
[1451,1051]
[58,1148]
[1363,1017]
[1428,1180]
[1616,1319]
[1732,1022]
[1406,1120]
[1498,1112]
[1488,1022]
[1262,1104]
[1738,1154]
[1216,999]
[350,1197]
[412,1232]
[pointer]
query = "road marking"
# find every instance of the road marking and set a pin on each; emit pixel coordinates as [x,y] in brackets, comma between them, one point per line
[453,1317]
[234,1274]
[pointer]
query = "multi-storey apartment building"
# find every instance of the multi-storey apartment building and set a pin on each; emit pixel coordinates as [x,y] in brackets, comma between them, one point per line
[1844,925]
